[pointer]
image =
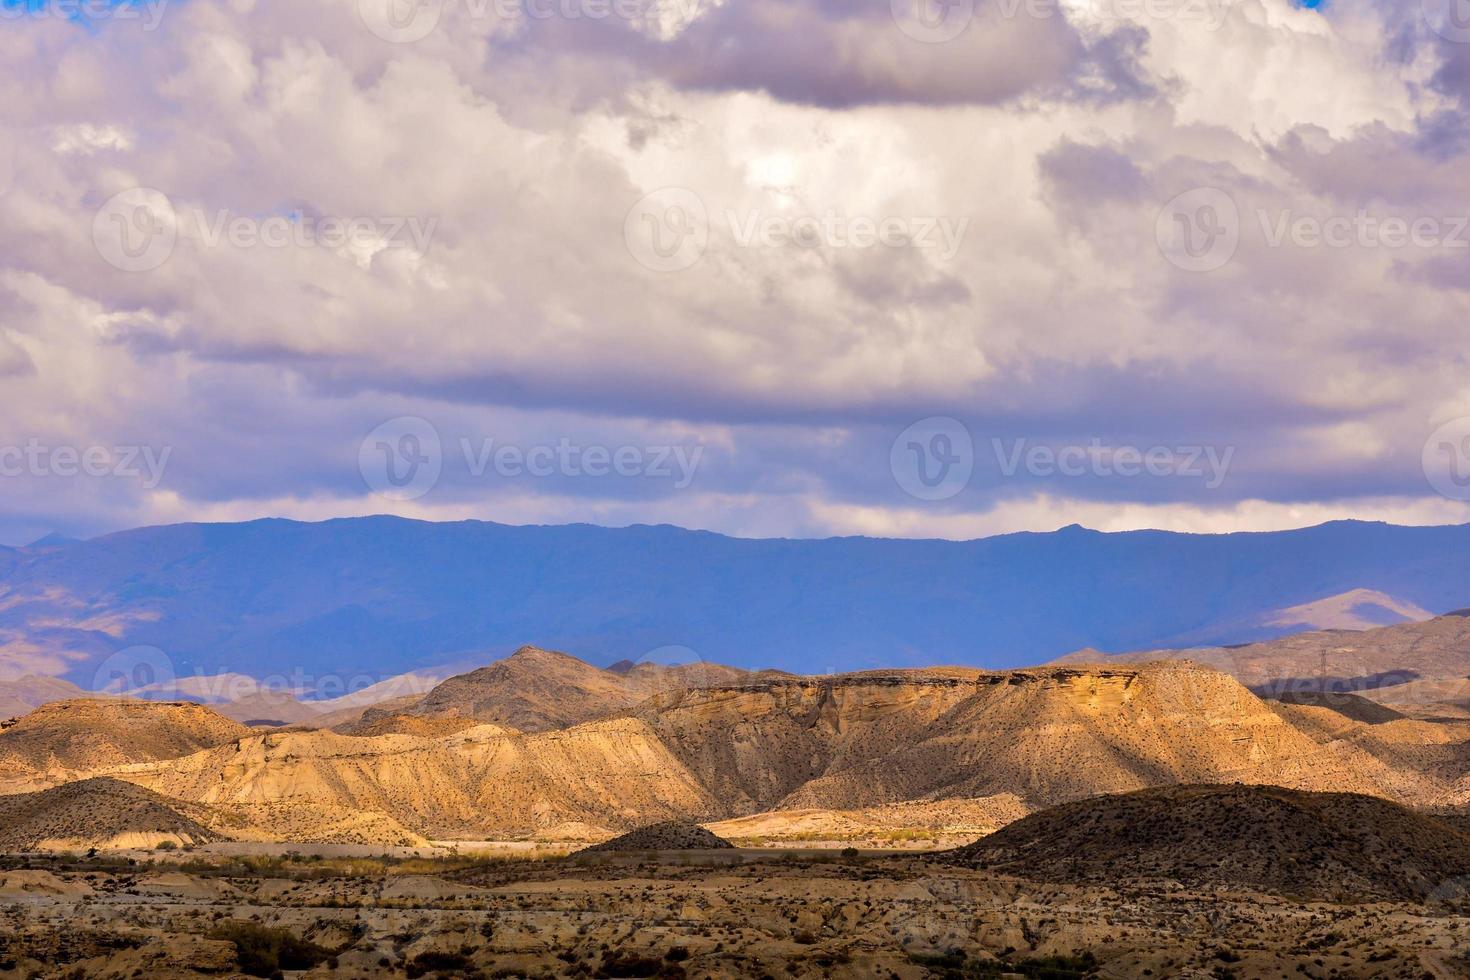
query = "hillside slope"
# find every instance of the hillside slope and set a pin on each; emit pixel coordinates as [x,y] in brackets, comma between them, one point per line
[531,690]
[1032,738]
[480,783]
[1045,735]
[1349,660]
[1331,846]
[102,813]
[91,734]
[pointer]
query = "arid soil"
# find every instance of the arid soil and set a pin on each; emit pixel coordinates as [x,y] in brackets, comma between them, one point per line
[914,823]
[688,915]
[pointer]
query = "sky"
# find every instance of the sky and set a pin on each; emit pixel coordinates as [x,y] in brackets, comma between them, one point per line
[933,268]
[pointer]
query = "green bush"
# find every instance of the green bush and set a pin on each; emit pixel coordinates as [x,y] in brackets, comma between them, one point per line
[262,951]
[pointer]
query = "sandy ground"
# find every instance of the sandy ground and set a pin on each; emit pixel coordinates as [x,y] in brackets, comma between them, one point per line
[706,914]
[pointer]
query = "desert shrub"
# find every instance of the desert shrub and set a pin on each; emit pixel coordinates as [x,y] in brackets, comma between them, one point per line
[167,845]
[262,951]
[434,961]
[956,966]
[630,966]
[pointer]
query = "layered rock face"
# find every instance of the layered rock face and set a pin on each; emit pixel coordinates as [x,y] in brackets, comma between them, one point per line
[991,742]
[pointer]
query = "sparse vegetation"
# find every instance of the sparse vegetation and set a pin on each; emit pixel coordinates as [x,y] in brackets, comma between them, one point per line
[263,951]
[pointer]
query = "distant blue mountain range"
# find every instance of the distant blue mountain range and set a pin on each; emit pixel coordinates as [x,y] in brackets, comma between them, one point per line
[383,595]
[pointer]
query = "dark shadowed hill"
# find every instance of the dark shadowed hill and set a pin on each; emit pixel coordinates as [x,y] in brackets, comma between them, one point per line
[668,836]
[1337,846]
[102,813]
[382,595]
[1348,705]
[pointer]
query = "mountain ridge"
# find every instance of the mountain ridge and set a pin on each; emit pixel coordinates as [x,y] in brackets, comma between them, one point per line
[277,597]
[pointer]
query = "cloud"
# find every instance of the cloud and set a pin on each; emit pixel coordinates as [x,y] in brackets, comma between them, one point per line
[889,229]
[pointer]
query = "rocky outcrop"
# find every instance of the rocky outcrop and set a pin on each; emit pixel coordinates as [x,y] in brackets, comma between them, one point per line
[669,836]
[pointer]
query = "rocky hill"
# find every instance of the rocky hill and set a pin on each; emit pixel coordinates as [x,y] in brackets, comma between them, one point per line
[1007,742]
[484,782]
[531,690]
[101,813]
[537,690]
[669,836]
[91,734]
[1332,846]
[1045,735]
[1346,661]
